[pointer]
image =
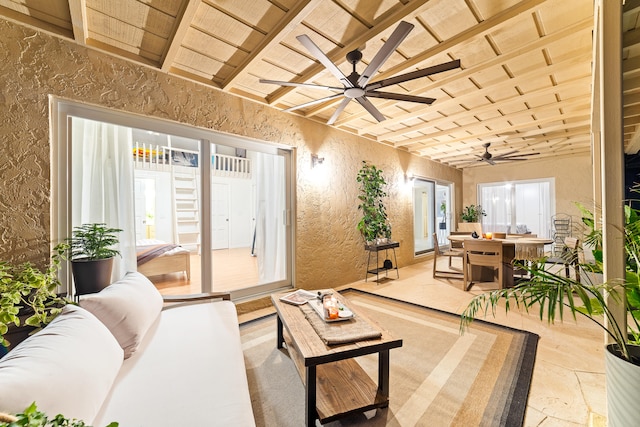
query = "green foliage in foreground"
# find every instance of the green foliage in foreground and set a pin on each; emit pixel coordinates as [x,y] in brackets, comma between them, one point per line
[31,417]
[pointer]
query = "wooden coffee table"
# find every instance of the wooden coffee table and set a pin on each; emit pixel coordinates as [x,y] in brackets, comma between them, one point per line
[335,384]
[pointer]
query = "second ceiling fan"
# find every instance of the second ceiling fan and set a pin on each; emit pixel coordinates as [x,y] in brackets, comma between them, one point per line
[357,86]
[508,156]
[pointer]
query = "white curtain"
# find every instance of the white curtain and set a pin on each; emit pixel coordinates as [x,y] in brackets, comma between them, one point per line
[102,184]
[270,216]
[496,202]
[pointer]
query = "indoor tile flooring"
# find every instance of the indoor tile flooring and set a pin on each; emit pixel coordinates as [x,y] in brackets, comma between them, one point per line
[568,386]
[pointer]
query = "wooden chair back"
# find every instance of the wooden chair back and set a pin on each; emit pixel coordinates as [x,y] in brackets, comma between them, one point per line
[437,253]
[485,253]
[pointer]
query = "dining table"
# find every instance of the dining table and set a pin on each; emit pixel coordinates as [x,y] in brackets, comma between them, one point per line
[513,248]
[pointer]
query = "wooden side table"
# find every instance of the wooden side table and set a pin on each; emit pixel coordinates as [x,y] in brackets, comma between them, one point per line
[384,268]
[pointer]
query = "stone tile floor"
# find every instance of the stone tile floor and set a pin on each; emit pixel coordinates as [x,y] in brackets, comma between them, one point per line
[568,385]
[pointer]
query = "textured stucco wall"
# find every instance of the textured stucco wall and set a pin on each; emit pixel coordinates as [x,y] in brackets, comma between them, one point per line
[573,179]
[329,250]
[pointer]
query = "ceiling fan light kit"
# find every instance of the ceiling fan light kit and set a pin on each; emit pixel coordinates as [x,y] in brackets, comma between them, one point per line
[356,86]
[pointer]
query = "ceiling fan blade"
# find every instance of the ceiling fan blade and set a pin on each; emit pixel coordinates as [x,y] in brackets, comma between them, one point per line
[314,102]
[309,85]
[414,75]
[508,153]
[324,60]
[338,111]
[392,43]
[370,108]
[515,156]
[400,97]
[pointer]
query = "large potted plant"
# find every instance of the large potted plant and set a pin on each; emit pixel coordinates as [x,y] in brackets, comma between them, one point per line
[91,252]
[551,294]
[28,299]
[374,224]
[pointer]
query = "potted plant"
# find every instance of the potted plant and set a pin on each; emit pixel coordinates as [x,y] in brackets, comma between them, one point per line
[552,294]
[374,224]
[443,210]
[472,213]
[28,299]
[90,250]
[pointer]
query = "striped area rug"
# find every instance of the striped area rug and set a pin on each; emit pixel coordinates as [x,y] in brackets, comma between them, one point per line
[437,378]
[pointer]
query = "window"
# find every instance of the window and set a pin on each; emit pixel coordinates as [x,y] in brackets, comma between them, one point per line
[518,207]
[154,180]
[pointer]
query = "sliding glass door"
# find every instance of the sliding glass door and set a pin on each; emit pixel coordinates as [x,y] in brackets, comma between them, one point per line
[178,194]
[431,213]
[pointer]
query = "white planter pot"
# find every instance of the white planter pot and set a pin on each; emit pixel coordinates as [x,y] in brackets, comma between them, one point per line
[623,387]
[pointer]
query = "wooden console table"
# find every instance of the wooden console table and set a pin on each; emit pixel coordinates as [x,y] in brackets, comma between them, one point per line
[335,384]
[378,268]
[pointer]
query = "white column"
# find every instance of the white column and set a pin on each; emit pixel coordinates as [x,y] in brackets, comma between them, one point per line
[609,64]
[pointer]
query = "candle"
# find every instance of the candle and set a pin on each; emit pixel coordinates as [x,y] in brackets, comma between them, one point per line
[489,235]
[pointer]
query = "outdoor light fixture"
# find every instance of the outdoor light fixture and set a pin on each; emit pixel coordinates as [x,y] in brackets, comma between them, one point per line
[315,160]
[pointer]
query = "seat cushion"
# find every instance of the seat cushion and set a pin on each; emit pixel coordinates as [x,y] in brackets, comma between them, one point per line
[188,371]
[66,368]
[127,308]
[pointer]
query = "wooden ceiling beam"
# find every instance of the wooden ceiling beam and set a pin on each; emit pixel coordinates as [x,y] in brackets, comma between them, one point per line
[78,11]
[576,83]
[180,30]
[525,146]
[292,19]
[478,30]
[572,103]
[338,55]
[489,133]
[571,149]
[539,44]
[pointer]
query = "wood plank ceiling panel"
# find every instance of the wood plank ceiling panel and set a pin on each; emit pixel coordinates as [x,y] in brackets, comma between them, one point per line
[524,81]
[50,15]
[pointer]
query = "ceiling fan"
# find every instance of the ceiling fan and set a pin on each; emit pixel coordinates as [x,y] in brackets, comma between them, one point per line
[508,156]
[357,86]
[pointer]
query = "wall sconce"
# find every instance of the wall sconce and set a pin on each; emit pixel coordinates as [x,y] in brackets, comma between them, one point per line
[315,160]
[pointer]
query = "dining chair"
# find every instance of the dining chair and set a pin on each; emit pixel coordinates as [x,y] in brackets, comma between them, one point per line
[569,257]
[451,253]
[483,253]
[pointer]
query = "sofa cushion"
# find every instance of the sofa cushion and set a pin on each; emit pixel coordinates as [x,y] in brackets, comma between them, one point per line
[67,368]
[189,371]
[127,308]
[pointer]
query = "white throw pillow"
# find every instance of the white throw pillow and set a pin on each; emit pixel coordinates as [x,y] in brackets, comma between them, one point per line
[67,368]
[127,308]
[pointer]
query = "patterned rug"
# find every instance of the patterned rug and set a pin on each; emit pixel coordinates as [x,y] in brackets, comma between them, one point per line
[437,378]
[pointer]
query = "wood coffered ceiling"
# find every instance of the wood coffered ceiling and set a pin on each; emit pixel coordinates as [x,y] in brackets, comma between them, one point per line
[524,82]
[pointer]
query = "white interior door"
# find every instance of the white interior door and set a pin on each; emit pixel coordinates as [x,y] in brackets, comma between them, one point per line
[219,216]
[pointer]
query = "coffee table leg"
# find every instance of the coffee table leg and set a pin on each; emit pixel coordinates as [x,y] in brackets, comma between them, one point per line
[383,373]
[310,396]
[280,335]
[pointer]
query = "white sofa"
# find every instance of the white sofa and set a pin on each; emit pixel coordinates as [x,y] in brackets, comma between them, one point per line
[122,357]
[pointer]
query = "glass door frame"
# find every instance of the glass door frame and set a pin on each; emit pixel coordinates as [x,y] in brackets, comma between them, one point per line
[435,211]
[61,113]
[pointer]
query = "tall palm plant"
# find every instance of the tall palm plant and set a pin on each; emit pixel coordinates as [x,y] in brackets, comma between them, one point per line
[552,294]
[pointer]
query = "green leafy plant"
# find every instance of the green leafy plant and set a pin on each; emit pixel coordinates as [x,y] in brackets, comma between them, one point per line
[553,293]
[374,222]
[30,294]
[32,417]
[472,213]
[90,242]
